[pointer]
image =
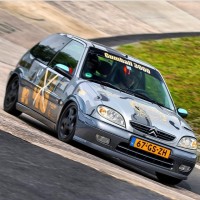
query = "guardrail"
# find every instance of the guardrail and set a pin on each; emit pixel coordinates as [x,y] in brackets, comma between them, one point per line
[125,39]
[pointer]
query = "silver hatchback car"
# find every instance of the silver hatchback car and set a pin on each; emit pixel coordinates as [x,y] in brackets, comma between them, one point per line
[106,100]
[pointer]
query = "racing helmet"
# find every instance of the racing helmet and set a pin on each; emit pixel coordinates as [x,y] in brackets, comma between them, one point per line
[129,76]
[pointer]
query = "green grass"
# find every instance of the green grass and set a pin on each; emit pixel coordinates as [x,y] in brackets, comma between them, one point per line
[178,60]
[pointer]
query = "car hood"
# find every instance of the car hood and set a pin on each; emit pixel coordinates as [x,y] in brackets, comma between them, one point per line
[141,111]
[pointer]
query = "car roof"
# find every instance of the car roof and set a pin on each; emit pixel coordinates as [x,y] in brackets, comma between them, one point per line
[96,45]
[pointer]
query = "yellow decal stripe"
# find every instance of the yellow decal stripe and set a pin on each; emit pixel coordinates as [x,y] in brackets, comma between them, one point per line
[39,96]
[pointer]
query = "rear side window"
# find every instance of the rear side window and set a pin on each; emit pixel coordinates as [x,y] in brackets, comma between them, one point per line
[68,58]
[47,48]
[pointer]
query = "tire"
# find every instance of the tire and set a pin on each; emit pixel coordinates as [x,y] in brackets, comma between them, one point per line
[11,97]
[169,180]
[67,123]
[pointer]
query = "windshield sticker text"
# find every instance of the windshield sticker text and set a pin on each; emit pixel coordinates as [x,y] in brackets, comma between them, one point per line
[128,62]
[118,59]
[142,68]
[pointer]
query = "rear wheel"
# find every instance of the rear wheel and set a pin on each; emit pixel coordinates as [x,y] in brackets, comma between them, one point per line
[169,180]
[67,123]
[11,97]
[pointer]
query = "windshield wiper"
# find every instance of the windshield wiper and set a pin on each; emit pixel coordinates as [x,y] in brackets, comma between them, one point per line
[105,84]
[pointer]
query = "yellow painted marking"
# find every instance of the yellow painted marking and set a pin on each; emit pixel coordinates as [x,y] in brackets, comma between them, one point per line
[25,95]
[40,97]
[132,104]
[52,107]
[82,92]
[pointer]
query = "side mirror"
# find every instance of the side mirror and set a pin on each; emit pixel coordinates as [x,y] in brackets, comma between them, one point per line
[63,69]
[182,112]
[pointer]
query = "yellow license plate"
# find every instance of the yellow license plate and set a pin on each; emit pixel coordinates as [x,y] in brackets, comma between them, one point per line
[150,147]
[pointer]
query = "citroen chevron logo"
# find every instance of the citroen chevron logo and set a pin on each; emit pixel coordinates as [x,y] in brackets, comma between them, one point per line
[153,132]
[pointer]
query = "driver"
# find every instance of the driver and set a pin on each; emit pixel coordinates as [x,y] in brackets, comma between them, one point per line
[129,77]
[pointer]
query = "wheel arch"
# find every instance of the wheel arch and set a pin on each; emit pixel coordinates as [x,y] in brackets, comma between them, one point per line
[70,100]
[17,73]
[12,108]
[12,76]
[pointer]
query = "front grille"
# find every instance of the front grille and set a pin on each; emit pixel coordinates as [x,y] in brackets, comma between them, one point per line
[126,149]
[146,129]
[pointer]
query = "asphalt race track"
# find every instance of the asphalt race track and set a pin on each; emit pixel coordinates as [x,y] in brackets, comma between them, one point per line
[30,172]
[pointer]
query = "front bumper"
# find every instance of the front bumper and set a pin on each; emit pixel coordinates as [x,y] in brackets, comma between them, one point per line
[88,128]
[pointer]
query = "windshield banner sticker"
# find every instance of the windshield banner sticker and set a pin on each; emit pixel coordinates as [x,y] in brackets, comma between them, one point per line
[128,62]
[118,59]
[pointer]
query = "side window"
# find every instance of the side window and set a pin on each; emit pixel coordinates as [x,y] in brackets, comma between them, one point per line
[26,61]
[67,59]
[46,49]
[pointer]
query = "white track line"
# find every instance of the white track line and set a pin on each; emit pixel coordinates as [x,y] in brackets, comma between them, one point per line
[197,166]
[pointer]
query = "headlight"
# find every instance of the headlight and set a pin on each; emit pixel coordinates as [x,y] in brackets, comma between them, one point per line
[111,115]
[188,143]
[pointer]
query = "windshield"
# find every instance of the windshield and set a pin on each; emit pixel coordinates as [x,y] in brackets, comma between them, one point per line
[125,75]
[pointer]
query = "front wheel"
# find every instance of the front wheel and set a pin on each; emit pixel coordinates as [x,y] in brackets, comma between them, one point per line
[11,97]
[169,180]
[67,123]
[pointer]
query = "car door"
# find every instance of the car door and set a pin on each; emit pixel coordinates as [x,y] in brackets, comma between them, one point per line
[44,80]
[43,88]
[62,69]
[36,73]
